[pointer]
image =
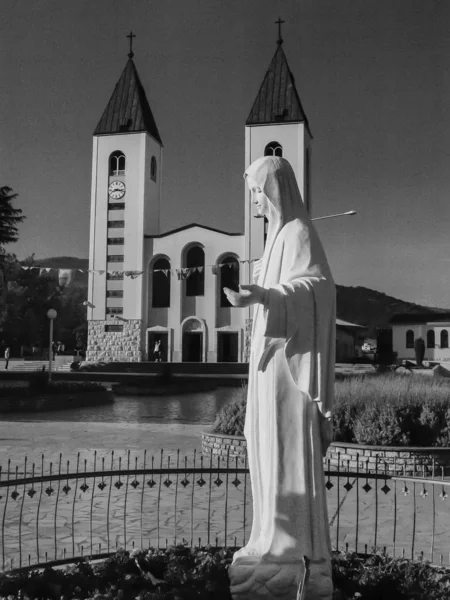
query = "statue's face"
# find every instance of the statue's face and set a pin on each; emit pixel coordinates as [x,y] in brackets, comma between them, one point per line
[259,199]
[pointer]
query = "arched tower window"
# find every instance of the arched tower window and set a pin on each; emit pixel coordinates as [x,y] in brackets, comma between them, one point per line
[161,283]
[228,277]
[444,338]
[273,149]
[430,338]
[410,338]
[153,168]
[195,283]
[117,163]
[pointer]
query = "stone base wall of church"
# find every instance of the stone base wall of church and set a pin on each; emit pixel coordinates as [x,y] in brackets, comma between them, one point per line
[121,346]
[345,457]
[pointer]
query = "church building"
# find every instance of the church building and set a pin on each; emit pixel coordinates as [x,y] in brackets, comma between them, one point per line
[148,285]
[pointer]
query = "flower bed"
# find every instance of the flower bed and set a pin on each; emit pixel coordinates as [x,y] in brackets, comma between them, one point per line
[375,410]
[202,573]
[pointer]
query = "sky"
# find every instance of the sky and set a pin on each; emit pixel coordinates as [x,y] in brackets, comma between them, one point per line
[373,77]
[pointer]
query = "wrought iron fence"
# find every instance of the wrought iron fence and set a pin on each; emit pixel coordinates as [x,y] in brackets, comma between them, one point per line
[92,504]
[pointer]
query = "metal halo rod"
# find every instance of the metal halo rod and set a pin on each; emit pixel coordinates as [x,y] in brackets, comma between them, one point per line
[345,214]
[350,212]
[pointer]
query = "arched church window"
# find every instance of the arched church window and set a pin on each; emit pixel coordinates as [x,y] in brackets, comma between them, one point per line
[444,338]
[161,283]
[153,168]
[228,277]
[195,260]
[273,149]
[430,338]
[410,338]
[117,163]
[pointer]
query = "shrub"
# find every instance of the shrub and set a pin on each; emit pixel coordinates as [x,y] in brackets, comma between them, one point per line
[378,424]
[41,386]
[380,409]
[231,419]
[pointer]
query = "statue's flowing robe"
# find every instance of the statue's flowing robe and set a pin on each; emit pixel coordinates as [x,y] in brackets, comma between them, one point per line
[290,390]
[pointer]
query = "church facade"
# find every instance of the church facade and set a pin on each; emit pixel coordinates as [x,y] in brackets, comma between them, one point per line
[148,285]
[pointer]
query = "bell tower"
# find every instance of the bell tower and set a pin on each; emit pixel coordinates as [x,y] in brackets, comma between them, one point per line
[277,125]
[125,206]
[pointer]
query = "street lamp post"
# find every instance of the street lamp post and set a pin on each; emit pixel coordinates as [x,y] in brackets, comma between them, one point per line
[51,314]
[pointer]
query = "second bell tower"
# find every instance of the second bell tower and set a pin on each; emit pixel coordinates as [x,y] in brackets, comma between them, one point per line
[277,125]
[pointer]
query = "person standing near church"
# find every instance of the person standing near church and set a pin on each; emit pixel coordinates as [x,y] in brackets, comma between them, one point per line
[7,355]
[157,351]
[290,397]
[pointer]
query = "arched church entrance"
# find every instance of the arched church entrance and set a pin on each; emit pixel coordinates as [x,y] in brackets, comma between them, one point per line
[193,340]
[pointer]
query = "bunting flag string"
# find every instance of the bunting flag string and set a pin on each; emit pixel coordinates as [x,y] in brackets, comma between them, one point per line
[66,275]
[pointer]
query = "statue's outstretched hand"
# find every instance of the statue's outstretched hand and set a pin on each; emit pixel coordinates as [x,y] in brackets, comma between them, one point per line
[247,295]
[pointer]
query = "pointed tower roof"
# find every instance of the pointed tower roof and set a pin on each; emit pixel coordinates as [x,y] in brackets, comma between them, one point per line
[128,110]
[277,100]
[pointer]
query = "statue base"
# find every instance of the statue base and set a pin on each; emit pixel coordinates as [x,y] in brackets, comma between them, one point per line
[253,579]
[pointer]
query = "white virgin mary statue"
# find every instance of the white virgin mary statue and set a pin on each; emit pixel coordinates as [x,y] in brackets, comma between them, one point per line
[290,397]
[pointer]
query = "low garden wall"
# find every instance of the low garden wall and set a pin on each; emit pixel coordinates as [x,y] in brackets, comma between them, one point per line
[393,459]
[60,401]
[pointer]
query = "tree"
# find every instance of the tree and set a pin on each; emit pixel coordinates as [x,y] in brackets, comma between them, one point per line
[10,217]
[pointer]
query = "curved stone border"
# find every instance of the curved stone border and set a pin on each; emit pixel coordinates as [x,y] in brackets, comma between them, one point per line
[218,444]
[60,401]
[346,456]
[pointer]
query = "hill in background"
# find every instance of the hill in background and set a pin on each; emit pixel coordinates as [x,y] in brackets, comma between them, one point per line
[359,305]
[63,262]
[373,309]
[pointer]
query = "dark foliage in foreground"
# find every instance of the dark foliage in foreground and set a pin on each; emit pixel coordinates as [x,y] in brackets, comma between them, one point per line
[180,572]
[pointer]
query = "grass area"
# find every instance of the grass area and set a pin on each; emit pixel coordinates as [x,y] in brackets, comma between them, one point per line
[380,409]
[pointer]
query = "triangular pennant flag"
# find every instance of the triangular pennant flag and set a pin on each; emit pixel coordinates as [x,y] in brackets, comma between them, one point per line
[101,272]
[214,269]
[133,274]
[200,269]
[166,272]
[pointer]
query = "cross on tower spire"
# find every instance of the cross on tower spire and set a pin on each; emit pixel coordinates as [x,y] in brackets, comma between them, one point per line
[131,35]
[279,23]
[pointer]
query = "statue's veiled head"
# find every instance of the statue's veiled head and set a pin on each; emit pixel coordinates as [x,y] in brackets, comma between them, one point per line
[272,177]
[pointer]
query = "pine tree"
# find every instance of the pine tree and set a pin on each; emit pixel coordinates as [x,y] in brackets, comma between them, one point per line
[10,217]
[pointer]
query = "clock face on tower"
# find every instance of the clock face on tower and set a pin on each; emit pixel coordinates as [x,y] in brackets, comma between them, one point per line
[116,190]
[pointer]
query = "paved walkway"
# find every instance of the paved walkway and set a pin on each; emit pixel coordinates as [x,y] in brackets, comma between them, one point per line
[151,510]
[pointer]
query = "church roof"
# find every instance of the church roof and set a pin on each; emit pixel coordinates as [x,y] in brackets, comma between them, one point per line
[277,100]
[128,110]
